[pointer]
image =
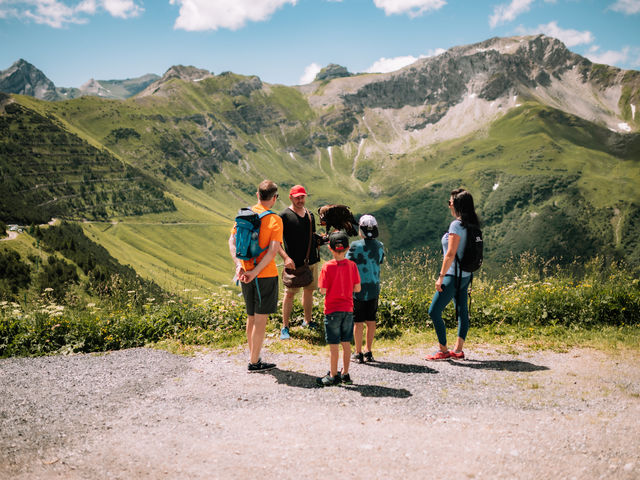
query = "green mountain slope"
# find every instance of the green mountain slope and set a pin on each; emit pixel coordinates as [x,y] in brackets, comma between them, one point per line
[543,179]
[46,171]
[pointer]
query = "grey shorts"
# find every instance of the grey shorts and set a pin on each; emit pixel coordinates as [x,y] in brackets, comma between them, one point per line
[338,327]
[261,298]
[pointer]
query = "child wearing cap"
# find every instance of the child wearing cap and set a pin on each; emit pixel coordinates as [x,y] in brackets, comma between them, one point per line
[367,254]
[339,279]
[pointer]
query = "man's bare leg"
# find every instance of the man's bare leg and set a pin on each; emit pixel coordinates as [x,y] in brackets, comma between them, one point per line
[257,335]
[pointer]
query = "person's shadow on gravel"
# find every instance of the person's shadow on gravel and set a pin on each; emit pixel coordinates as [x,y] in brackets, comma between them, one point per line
[293,379]
[304,380]
[378,391]
[401,367]
[501,365]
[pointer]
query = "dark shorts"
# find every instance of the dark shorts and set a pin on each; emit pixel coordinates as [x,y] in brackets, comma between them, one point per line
[264,303]
[365,310]
[338,327]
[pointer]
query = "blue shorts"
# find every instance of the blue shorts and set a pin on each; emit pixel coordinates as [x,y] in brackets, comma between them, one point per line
[338,327]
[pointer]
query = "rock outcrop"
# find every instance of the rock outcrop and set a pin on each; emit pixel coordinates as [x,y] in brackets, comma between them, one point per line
[332,71]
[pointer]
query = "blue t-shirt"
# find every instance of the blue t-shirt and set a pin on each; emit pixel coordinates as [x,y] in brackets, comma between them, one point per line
[456,228]
[368,254]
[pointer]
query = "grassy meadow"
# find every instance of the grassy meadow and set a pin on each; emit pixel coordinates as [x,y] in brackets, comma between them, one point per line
[532,305]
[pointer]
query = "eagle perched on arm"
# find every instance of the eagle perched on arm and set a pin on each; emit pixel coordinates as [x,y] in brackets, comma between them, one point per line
[338,217]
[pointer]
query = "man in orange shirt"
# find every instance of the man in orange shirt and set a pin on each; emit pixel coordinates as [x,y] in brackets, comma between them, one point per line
[260,280]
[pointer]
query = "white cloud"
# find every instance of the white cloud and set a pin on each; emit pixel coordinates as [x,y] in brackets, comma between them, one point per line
[87,6]
[122,8]
[610,57]
[58,13]
[628,7]
[310,73]
[53,13]
[569,37]
[506,13]
[413,8]
[199,15]
[386,65]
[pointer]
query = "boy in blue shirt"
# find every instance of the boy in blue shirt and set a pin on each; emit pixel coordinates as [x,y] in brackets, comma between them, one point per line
[368,254]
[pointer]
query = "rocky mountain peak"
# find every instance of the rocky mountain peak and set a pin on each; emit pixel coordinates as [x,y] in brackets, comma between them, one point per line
[187,73]
[24,79]
[333,71]
[94,87]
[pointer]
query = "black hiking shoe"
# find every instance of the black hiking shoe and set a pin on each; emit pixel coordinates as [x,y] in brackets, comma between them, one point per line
[346,379]
[338,377]
[260,366]
[358,357]
[368,357]
[328,381]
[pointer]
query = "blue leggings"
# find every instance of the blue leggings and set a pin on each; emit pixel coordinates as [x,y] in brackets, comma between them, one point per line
[442,299]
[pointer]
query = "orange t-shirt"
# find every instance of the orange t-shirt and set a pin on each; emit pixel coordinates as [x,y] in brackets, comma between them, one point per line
[270,231]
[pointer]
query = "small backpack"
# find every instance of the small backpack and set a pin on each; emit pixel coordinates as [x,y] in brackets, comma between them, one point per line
[470,262]
[248,232]
[472,256]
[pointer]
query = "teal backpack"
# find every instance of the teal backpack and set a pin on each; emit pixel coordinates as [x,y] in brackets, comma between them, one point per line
[247,235]
[248,232]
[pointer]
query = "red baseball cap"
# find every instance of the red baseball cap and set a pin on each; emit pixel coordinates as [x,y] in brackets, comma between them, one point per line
[297,190]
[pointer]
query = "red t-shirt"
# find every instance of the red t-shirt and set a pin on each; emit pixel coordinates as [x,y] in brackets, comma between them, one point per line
[339,279]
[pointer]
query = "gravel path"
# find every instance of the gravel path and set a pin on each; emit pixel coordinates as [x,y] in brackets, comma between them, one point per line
[145,413]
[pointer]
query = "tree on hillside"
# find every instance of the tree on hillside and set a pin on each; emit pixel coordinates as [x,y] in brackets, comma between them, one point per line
[58,275]
[14,274]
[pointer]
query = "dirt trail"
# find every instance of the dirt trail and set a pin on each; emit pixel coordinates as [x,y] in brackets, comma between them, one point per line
[145,413]
[11,236]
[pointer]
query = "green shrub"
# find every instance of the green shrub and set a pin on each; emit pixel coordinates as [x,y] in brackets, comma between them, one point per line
[14,274]
[530,293]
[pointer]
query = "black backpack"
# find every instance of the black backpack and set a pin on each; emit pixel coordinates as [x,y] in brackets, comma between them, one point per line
[471,260]
[472,256]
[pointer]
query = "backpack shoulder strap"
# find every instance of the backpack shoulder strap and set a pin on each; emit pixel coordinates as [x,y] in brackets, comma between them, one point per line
[265,213]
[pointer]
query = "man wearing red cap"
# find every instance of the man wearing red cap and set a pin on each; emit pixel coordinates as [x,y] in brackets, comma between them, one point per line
[297,235]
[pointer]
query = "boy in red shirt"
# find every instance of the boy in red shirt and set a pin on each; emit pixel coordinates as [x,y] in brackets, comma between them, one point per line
[338,281]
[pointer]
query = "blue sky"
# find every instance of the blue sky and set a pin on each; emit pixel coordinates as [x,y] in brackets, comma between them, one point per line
[287,41]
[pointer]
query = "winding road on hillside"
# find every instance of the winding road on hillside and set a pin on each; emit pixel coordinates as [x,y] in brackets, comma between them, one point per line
[146,413]
[10,236]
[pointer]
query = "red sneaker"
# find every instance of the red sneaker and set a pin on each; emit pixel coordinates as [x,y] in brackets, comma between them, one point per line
[439,355]
[458,355]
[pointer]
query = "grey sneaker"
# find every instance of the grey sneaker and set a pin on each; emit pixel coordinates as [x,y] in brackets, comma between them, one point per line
[260,366]
[327,381]
[311,325]
[284,334]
